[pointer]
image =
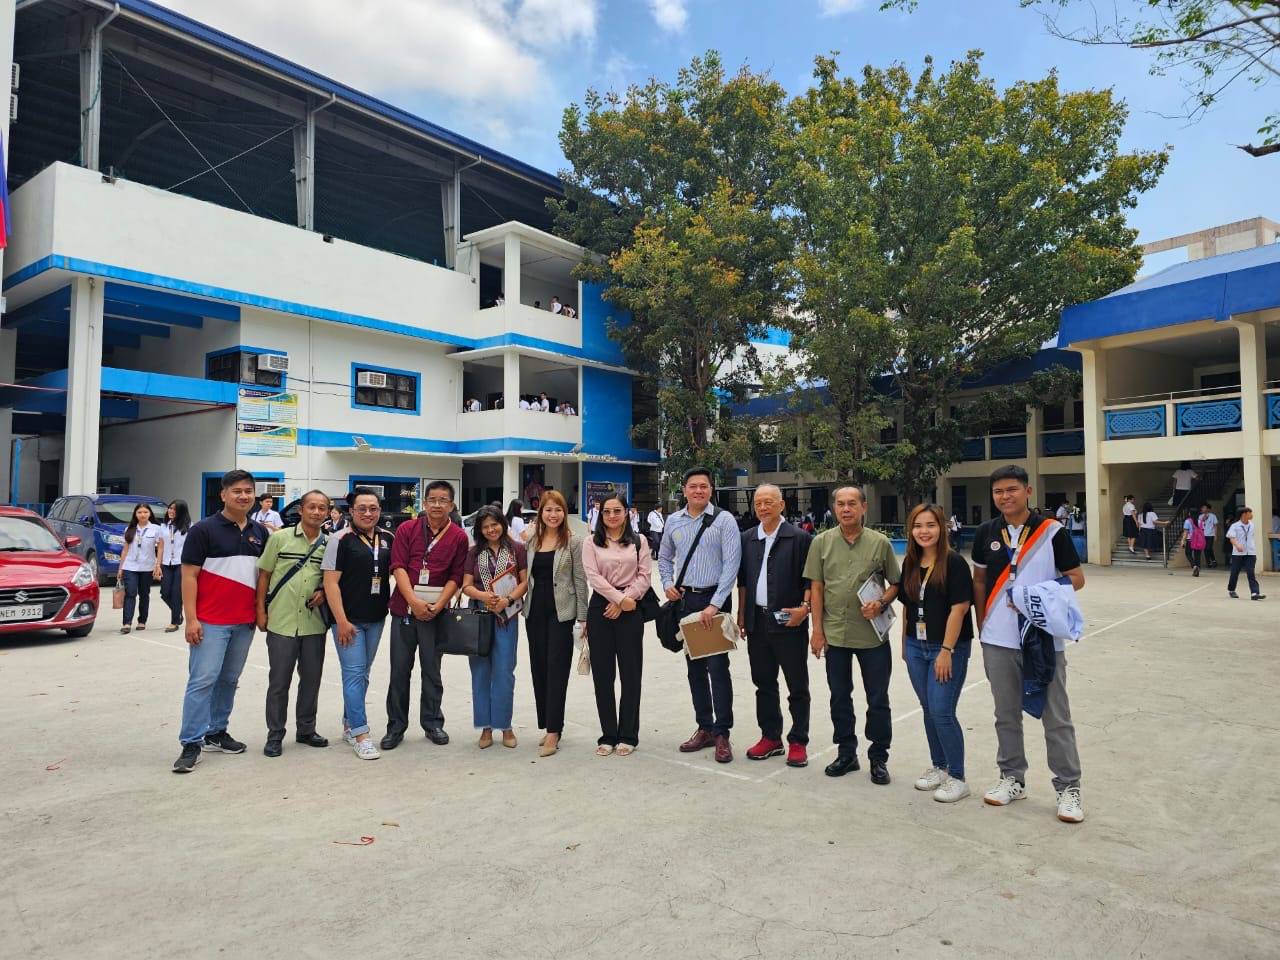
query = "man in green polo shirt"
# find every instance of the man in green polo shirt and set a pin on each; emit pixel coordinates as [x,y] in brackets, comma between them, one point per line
[289,594]
[840,561]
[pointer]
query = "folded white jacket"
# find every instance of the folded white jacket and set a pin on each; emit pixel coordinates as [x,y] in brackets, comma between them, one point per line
[1052,606]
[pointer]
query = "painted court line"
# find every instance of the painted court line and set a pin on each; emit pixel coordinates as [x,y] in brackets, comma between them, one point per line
[982,682]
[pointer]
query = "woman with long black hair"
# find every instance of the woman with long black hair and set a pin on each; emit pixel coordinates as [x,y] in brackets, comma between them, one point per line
[174,533]
[515,521]
[618,572]
[140,565]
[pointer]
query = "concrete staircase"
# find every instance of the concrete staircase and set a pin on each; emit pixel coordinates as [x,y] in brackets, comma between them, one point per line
[1217,478]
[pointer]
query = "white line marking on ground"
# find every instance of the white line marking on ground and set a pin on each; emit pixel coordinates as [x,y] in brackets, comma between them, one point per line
[979,683]
[701,768]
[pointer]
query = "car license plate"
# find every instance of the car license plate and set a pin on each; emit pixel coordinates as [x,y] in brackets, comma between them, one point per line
[32,611]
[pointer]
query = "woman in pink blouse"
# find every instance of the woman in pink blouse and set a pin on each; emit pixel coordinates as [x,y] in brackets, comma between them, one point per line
[617,569]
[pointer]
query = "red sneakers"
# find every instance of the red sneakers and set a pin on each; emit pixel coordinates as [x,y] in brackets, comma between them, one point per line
[765,749]
[797,755]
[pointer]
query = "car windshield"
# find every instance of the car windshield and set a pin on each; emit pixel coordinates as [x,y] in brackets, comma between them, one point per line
[21,534]
[121,511]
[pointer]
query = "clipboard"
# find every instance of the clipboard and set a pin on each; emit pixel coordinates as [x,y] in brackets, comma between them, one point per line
[699,641]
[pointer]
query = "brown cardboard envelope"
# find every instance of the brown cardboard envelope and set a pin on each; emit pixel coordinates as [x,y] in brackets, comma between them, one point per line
[700,641]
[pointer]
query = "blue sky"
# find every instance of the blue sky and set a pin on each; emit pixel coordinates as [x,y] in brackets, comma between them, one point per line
[502,71]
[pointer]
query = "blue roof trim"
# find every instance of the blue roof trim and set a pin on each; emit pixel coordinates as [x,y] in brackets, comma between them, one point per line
[270,61]
[1213,288]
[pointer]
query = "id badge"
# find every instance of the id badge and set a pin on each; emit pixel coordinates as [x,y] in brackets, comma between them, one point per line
[375,586]
[424,577]
[922,631]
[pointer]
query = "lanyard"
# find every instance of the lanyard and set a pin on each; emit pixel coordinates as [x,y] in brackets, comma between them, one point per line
[431,546]
[924,583]
[1014,551]
[374,546]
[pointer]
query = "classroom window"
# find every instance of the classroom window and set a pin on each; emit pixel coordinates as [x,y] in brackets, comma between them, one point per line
[382,388]
[237,366]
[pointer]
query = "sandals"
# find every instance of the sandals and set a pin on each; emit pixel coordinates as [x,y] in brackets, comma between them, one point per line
[173,628]
[124,629]
[625,750]
[604,750]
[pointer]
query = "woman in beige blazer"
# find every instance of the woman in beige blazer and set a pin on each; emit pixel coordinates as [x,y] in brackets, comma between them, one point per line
[557,599]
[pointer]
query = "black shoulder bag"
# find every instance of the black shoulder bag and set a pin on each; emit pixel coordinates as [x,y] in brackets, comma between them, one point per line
[648,605]
[668,615]
[320,542]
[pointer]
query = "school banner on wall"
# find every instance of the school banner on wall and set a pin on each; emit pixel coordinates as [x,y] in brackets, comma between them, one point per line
[599,490]
[266,424]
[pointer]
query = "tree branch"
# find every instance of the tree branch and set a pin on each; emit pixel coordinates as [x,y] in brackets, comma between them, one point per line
[1262,151]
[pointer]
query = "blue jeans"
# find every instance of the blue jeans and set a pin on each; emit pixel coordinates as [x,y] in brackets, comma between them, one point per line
[938,702]
[213,669]
[493,679]
[137,589]
[356,661]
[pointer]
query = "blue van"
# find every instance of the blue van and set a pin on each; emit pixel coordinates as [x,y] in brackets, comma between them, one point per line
[99,520]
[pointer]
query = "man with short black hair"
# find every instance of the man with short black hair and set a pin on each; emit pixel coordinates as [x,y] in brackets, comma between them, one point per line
[1243,537]
[426,562]
[266,513]
[707,589]
[1209,526]
[1025,547]
[219,579]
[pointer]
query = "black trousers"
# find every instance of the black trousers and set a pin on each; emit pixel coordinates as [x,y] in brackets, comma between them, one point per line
[617,650]
[1193,556]
[306,655]
[1210,553]
[409,639]
[1246,564]
[171,591]
[550,659]
[770,647]
[710,684]
[876,664]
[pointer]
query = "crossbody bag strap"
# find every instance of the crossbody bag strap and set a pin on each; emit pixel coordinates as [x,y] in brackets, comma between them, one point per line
[295,568]
[684,567]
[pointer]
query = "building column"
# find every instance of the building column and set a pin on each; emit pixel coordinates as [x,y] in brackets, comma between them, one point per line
[84,388]
[90,93]
[1256,466]
[450,207]
[8,360]
[511,269]
[304,169]
[1100,527]
[943,484]
[511,384]
[510,480]
[1035,421]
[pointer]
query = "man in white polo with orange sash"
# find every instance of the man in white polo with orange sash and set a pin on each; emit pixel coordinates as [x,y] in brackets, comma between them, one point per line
[1026,548]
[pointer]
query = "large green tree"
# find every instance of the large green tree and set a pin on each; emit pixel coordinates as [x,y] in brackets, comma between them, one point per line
[671,185]
[964,218]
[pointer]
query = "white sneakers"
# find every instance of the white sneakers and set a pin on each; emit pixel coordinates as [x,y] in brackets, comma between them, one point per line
[1005,792]
[931,779]
[1069,807]
[348,736]
[365,749]
[951,790]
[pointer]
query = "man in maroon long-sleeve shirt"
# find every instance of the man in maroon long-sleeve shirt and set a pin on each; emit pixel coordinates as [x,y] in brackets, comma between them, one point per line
[427,555]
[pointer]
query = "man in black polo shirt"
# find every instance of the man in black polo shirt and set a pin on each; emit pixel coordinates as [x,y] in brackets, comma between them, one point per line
[219,582]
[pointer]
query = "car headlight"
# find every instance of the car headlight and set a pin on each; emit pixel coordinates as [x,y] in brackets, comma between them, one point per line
[83,577]
[115,539]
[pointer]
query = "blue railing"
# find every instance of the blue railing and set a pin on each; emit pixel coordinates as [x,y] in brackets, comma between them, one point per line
[1062,443]
[1273,411]
[1208,416]
[1012,446]
[1135,422]
[974,448]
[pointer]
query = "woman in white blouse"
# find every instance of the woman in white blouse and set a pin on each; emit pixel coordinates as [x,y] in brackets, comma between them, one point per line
[140,566]
[174,532]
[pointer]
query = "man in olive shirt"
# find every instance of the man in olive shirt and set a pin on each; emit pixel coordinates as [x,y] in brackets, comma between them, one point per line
[287,610]
[839,563]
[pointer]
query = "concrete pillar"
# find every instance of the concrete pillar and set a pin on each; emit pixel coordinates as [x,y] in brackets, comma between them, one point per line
[511,269]
[84,388]
[944,494]
[1035,421]
[450,207]
[511,385]
[1100,512]
[90,95]
[8,359]
[1256,466]
[510,480]
[304,169]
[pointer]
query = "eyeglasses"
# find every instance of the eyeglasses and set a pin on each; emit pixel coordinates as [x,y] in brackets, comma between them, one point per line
[366,509]
[438,502]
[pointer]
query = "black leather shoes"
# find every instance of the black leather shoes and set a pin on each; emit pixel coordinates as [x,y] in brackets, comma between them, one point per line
[842,765]
[391,741]
[437,736]
[272,749]
[312,740]
[879,772]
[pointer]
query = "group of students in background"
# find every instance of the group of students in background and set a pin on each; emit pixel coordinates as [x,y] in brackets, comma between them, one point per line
[588,599]
[152,554]
[533,401]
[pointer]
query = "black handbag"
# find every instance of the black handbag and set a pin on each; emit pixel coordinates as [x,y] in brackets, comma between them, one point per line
[648,605]
[465,631]
[667,618]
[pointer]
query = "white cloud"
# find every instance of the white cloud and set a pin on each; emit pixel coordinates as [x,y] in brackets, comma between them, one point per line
[670,15]
[481,51]
[833,8]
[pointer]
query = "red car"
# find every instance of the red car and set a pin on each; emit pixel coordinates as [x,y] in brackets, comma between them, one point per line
[43,585]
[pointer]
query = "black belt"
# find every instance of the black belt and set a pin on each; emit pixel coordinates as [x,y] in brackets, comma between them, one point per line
[710,589]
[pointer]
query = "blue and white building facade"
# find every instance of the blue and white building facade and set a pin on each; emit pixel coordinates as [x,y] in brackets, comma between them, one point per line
[322,318]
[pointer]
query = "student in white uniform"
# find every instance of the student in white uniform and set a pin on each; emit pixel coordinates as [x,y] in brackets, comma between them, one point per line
[1209,524]
[1130,511]
[140,565]
[1148,521]
[174,531]
[1243,537]
[1183,479]
[266,514]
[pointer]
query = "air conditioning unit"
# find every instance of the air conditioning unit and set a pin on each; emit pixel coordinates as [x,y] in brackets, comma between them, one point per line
[271,489]
[13,108]
[371,378]
[15,72]
[275,362]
